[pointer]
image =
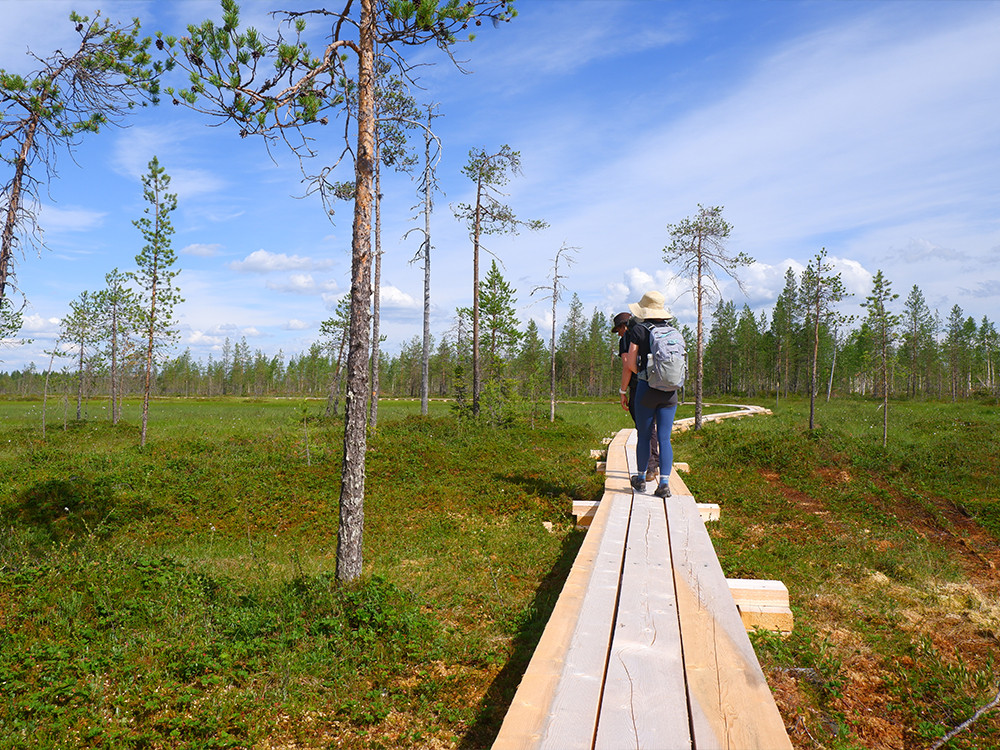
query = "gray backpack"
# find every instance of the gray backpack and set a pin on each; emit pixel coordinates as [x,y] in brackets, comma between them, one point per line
[666,366]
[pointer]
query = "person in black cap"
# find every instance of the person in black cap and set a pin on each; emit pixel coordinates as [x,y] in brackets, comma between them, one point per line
[620,325]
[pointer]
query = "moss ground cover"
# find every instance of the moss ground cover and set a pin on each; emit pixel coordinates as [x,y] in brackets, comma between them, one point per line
[183,595]
[890,557]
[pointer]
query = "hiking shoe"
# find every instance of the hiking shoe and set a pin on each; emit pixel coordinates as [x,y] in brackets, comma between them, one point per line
[638,483]
[663,490]
[652,472]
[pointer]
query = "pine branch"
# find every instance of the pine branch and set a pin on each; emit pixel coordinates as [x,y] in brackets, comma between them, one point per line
[968,723]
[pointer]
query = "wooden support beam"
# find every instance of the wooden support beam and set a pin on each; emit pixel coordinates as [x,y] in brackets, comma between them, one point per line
[762,604]
[709,511]
[584,511]
[753,591]
[598,453]
[682,467]
[601,467]
[775,618]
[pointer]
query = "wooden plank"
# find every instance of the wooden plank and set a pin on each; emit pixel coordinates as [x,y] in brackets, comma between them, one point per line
[584,511]
[762,604]
[643,704]
[773,617]
[598,453]
[523,725]
[730,703]
[747,591]
[576,699]
[709,511]
[621,455]
[682,467]
[601,467]
[677,485]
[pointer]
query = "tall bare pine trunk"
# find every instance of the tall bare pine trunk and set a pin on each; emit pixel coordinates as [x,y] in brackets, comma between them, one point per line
[352,486]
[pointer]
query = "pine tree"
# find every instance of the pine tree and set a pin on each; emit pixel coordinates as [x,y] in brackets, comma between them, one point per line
[70,95]
[313,85]
[720,349]
[333,336]
[918,345]
[749,351]
[785,321]
[699,246]
[81,329]
[155,276]
[120,315]
[821,290]
[489,172]
[570,347]
[987,343]
[566,254]
[883,324]
[499,316]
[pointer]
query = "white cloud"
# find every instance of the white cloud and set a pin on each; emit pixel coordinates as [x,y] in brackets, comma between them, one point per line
[764,281]
[262,261]
[296,325]
[302,283]
[331,300]
[391,297]
[37,324]
[200,338]
[857,279]
[202,250]
[75,219]
[636,280]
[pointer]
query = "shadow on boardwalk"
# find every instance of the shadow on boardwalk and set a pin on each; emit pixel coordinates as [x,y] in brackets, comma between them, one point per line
[501,691]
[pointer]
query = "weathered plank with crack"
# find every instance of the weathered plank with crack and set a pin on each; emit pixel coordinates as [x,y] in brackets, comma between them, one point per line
[645,647]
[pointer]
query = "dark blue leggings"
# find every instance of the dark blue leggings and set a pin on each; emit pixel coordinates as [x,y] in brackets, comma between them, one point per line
[644,418]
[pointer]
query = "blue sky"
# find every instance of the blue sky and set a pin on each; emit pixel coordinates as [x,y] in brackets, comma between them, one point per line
[869,128]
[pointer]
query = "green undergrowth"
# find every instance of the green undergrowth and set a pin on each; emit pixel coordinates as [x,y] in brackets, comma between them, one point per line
[183,594]
[886,553]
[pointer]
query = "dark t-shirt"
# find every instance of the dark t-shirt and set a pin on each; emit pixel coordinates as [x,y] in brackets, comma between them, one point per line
[639,334]
[623,344]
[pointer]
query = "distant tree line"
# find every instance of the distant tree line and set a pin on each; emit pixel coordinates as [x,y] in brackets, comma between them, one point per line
[925,355]
[767,354]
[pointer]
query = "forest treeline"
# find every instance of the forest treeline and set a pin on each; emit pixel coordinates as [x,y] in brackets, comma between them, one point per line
[746,353]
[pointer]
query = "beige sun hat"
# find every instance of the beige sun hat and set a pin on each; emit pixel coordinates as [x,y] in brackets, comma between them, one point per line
[650,307]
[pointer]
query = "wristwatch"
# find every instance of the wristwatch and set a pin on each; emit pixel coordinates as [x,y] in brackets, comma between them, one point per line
[622,392]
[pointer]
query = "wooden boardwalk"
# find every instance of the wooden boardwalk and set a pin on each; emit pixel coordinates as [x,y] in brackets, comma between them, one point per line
[645,647]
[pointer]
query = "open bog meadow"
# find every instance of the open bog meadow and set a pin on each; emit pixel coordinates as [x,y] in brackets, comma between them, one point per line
[183,594]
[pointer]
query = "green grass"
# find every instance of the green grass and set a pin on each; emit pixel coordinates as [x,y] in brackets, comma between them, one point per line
[183,595]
